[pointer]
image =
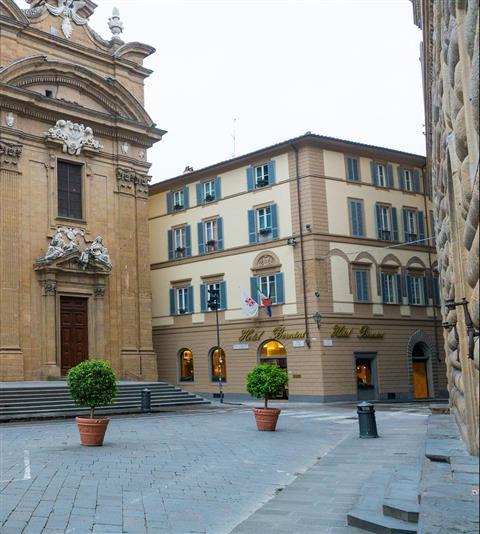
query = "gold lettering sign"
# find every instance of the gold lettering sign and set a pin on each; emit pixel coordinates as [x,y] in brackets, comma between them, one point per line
[341,331]
[251,334]
[365,332]
[281,333]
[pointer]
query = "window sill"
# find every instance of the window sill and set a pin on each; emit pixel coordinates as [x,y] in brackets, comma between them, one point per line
[186,381]
[70,219]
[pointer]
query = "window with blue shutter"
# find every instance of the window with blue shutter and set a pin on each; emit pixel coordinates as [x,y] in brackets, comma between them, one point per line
[393,212]
[383,282]
[390,176]
[203,298]
[275,231]
[398,283]
[356,217]
[378,218]
[223,295]
[201,238]
[188,241]
[416,181]
[271,172]
[250,179]
[219,233]
[169,202]
[361,285]
[218,188]
[374,169]
[436,291]
[424,283]
[401,178]
[191,307]
[171,251]
[254,288]
[252,226]
[280,288]
[406,229]
[421,227]
[173,301]
[352,170]
[186,197]
[199,189]
[410,289]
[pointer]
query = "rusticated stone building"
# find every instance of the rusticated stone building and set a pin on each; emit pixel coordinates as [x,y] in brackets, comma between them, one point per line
[450,58]
[74,262]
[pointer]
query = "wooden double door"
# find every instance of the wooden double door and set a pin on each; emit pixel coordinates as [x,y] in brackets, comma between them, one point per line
[73,332]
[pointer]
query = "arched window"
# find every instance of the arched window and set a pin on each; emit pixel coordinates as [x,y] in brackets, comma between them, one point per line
[217,362]
[186,365]
[273,349]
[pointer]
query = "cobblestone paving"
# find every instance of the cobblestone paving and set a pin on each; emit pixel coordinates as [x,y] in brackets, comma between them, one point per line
[202,472]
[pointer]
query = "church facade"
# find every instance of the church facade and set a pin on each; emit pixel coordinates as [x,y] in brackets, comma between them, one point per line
[74,261]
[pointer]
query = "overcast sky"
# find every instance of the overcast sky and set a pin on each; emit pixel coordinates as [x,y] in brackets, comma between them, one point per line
[342,68]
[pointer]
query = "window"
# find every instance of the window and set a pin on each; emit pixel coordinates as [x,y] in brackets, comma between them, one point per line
[382,174]
[410,225]
[264,222]
[186,366]
[271,285]
[205,295]
[210,235]
[179,243]
[356,218]
[382,178]
[209,191]
[387,225]
[181,300]
[179,236]
[177,200]
[261,175]
[69,190]
[436,289]
[391,288]
[408,177]
[417,290]
[352,170]
[218,365]
[361,280]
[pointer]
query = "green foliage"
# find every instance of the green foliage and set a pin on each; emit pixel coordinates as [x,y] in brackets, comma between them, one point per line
[92,383]
[266,382]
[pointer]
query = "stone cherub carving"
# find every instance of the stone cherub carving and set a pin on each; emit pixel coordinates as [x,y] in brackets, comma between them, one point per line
[75,137]
[63,243]
[96,252]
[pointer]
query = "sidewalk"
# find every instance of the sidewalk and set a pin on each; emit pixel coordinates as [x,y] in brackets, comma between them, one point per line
[318,501]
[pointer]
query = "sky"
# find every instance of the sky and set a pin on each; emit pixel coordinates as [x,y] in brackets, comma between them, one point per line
[270,70]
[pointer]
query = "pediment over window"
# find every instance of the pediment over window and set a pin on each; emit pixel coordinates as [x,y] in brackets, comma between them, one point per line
[74,84]
[266,261]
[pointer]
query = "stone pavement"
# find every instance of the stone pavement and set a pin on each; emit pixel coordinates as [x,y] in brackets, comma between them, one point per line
[201,472]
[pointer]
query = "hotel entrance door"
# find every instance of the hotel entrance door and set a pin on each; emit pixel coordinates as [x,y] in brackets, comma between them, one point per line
[73,332]
[366,376]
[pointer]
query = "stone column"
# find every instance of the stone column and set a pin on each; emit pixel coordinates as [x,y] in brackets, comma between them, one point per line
[51,365]
[11,355]
[99,311]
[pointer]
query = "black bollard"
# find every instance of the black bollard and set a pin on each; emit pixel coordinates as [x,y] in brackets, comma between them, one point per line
[366,420]
[146,400]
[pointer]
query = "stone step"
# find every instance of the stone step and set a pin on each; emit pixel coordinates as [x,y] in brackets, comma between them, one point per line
[368,513]
[401,498]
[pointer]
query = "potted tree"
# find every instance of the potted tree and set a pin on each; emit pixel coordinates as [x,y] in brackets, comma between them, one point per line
[266,382]
[92,383]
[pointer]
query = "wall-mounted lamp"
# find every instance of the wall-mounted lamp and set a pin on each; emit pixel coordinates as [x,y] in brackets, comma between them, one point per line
[308,227]
[450,304]
[317,318]
[291,241]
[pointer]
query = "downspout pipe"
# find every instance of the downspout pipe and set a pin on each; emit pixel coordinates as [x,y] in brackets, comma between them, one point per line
[302,250]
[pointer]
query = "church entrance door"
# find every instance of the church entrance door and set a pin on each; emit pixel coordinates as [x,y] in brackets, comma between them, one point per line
[74,331]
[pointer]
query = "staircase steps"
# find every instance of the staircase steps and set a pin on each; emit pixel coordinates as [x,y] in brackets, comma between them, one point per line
[29,402]
[388,503]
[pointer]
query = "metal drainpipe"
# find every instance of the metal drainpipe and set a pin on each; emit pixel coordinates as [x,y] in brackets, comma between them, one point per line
[302,252]
[432,288]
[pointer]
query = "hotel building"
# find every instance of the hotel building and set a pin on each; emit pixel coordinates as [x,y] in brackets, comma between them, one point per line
[337,234]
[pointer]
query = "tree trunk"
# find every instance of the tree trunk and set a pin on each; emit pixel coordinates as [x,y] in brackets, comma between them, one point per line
[266,403]
[92,410]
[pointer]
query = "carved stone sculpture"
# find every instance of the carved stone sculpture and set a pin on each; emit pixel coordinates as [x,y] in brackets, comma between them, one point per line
[68,10]
[9,154]
[63,243]
[96,252]
[115,24]
[10,119]
[75,137]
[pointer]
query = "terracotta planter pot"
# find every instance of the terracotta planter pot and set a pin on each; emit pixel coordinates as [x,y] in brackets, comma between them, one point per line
[92,431]
[266,418]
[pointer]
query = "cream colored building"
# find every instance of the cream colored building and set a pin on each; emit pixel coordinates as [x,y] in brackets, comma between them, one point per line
[450,62]
[74,267]
[337,234]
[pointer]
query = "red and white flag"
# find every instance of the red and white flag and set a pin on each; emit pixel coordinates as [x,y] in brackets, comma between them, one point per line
[249,305]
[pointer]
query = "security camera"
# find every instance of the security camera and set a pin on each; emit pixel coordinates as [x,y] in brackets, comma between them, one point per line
[308,227]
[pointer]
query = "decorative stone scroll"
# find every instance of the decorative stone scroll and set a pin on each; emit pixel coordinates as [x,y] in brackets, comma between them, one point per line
[9,154]
[129,180]
[49,288]
[75,137]
[68,10]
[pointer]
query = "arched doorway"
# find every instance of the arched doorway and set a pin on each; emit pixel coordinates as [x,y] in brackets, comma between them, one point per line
[272,352]
[420,372]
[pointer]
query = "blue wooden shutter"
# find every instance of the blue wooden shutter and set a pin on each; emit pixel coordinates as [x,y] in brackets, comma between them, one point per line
[424,282]
[406,237]
[357,218]
[250,179]
[171,252]
[173,301]
[203,298]
[271,172]
[361,278]
[383,281]
[188,241]
[401,178]
[169,202]
[378,213]
[416,181]
[218,188]
[389,176]
[373,166]
[394,224]
[253,288]
[191,307]
[409,289]
[252,226]
[421,226]
[352,169]
[436,291]
[223,295]
[398,278]
[199,188]
[201,238]
[220,233]
[274,221]
[279,283]
[426,185]
[186,197]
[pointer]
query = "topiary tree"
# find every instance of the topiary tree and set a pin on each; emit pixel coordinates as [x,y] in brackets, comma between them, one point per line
[266,382]
[92,383]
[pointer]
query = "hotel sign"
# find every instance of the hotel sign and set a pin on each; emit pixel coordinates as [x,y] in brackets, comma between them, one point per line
[364,332]
[251,334]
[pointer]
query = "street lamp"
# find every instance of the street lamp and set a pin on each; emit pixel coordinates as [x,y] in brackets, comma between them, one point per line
[214,304]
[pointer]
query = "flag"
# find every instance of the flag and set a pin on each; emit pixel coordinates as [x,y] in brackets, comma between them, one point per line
[266,302]
[249,305]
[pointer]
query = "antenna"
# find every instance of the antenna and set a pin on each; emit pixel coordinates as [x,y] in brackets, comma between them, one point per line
[234,137]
